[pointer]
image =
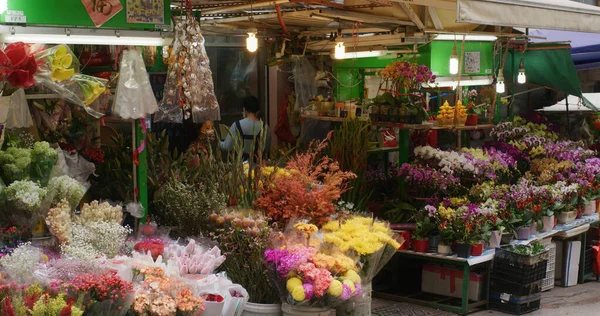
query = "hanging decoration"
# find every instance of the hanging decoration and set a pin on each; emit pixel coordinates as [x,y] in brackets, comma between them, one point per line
[189,85]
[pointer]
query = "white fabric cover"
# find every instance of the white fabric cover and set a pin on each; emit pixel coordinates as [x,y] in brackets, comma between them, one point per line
[541,14]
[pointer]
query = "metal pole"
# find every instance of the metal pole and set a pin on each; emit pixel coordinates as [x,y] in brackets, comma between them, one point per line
[568,119]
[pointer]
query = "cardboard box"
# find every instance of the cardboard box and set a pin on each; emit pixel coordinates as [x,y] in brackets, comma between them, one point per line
[448,282]
[567,262]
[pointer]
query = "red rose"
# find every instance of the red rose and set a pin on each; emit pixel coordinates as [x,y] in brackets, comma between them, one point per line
[23,64]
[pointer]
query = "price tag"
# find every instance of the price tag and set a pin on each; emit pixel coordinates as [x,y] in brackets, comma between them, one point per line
[505,297]
[166,27]
[13,12]
[15,19]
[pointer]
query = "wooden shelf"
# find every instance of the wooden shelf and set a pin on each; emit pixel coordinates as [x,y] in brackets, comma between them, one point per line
[328,118]
[433,127]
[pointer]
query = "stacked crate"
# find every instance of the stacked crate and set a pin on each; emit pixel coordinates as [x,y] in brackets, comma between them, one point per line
[516,282]
[548,282]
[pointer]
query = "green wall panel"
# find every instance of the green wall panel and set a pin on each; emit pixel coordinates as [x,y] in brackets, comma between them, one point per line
[440,57]
[72,13]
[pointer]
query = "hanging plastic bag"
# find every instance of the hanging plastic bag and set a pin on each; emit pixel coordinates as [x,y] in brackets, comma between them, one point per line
[304,81]
[169,109]
[17,115]
[134,98]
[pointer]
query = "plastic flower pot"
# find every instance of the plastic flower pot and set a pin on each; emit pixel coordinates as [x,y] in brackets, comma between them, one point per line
[434,240]
[506,238]
[548,223]
[477,249]
[421,245]
[533,229]
[523,233]
[444,249]
[254,309]
[495,239]
[590,208]
[472,120]
[463,250]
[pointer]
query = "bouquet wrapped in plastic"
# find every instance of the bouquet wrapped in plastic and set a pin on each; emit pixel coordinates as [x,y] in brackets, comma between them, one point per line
[193,258]
[104,293]
[310,273]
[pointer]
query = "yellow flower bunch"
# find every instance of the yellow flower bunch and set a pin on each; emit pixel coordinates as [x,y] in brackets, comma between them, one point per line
[306,229]
[446,212]
[60,64]
[359,234]
[337,263]
[537,151]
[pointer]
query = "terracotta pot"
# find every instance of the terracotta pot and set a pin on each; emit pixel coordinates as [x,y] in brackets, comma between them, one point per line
[524,232]
[444,249]
[421,245]
[472,120]
[463,250]
[495,239]
[477,249]
[548,223]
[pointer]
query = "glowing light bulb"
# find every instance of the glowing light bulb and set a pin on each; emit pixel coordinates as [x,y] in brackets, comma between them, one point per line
[521,78]
[252,41]
[454,61]
[500,88]
[340,50]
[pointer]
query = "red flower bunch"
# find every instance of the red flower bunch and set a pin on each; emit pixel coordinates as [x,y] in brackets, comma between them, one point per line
[18,65]
[213,298]
[156,247]
[100,287]
[308,188]
[93,154]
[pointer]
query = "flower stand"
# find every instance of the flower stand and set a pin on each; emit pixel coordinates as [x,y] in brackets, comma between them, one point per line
[290,310]
[254,309]
[421,245]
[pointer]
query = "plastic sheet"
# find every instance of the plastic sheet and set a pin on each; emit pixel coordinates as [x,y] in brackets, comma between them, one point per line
[134,97]
[189,78]
[305,85]
[16,109]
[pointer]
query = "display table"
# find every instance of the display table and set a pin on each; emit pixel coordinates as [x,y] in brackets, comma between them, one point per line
[464,306]
[562,230]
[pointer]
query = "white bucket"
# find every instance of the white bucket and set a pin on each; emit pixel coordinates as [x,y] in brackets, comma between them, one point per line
[290,310]
[254,309]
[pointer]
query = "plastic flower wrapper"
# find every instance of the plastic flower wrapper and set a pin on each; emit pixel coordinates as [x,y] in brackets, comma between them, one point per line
[153,246]
[362,236]
[56,63]
[15,164]
[61,270]
[307,274]
[65,188]
[193,258]
[79,89]
[159,294]
[104,293]
[43,159]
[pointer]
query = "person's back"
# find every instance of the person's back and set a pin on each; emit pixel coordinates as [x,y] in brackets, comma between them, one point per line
[251,129]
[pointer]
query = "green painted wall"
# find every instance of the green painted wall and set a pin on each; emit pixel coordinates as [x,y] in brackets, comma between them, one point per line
[435,55]
[72,13]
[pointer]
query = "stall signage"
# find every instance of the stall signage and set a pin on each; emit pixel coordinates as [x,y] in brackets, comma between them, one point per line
[101,11]
[13,16]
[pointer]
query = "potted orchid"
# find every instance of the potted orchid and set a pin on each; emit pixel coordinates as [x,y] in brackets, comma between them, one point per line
[473,110]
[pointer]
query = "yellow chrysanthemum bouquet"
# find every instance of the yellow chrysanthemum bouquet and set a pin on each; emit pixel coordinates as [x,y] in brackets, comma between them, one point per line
[370,240]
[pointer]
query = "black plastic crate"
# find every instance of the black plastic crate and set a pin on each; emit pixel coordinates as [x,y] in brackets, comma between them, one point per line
[517,272]
[588,266]
[513,257]
[516,289]
[514,305]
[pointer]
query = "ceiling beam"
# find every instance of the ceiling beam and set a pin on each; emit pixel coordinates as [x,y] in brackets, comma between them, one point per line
[437,23]
[361,17]
[320,31]
[243,7]
[441,4]
[249,18]
[412,15]
[367,41]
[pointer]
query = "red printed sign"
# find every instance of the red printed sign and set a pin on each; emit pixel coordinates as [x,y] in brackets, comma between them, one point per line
[101,11]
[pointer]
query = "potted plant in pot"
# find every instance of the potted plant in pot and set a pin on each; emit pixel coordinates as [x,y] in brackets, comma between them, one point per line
[447,237]
[473,110]
[420,235]
[463,226]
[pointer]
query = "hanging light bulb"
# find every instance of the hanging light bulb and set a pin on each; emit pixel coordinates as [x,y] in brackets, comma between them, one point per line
[454,61]
[521,78]
[340,49]
[252,41]
[500,88]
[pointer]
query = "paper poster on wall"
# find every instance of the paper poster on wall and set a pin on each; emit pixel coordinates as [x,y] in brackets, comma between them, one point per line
[146,11]
[472,62]
[101,11]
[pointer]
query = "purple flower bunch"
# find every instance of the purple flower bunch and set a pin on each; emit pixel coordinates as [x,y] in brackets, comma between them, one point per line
[533,140]
[420,177]
[507,149]
[566,150]
[286,260]
[415,74]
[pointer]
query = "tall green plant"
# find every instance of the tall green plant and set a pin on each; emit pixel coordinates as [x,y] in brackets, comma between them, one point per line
[349,147]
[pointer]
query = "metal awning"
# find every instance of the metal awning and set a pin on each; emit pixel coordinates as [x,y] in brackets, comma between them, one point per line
[540,14]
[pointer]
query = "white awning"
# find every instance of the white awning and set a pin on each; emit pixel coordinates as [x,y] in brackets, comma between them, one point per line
[589,102]
[540,14]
